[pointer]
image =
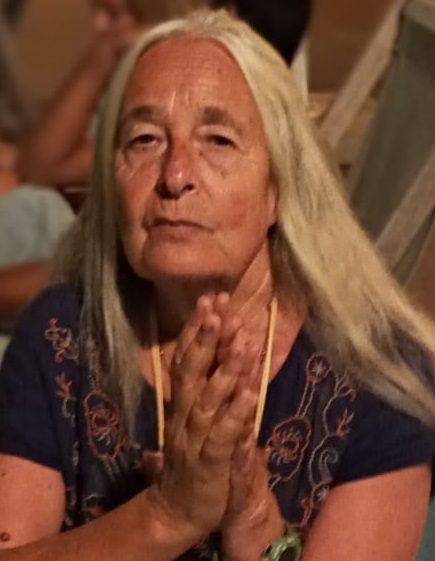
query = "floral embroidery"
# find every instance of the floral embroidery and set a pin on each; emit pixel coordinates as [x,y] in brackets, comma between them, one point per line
[93,507]
[63,342]
[317,369]
[75,455]
[309,504]
[70,507]
[103,427]
[286,448]
[66,395]
[304,449]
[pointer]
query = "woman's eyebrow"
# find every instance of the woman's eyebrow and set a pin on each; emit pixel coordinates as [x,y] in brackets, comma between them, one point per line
[213,115]
[144,114]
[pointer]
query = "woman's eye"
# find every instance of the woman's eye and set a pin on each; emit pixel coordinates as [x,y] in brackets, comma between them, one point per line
[221,141]
[143,139]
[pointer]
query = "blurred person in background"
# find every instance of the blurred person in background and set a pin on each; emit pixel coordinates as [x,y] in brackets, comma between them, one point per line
[13,9]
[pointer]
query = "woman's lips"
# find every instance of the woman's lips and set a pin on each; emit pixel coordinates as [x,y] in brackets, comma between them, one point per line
[178,223]
[179,228]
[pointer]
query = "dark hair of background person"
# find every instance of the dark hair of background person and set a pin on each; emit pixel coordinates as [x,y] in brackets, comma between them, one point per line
[282,22]
[12,9]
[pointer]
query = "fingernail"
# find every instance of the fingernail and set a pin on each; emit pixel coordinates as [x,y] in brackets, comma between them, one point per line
[206,330]
[223,298]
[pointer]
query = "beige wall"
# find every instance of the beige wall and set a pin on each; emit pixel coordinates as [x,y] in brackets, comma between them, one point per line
[54,34]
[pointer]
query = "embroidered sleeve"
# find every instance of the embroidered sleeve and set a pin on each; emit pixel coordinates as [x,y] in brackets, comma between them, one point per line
[26,425]
[382,440]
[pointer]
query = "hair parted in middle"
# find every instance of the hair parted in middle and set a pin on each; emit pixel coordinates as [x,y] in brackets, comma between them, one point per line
[355,311]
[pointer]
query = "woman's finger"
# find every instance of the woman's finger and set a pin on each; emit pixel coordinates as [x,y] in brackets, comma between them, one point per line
[221,304]
[231,379]
[215,395]
[243,460]
[203,308]
[227,427]
[230,326]
[189,376]
[243,471]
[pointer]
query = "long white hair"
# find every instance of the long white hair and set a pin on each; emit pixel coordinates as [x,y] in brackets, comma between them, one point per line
[356,312]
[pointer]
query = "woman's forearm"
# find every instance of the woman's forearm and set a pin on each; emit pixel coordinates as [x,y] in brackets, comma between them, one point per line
[19,284]
[64,127]
[141,530]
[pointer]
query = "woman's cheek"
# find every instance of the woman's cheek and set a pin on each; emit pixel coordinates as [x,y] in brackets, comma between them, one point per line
[132,203]
[136,180]
[221,164]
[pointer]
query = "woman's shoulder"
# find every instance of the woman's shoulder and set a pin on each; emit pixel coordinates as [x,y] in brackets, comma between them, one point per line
[60,300]
[38,374]
[59,303]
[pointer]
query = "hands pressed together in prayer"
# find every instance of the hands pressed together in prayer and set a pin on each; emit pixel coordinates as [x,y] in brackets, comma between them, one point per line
[213,475]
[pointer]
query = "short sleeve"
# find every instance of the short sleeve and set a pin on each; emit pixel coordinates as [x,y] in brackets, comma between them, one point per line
[26,423]
[382,440]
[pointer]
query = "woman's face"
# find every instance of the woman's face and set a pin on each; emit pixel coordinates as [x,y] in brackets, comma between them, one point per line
[192,165]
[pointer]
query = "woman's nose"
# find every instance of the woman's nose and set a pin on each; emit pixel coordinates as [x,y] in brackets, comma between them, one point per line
[178,171]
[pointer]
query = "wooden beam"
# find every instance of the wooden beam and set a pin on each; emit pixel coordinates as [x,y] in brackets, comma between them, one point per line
[423,12]
[363,78]
[413,211]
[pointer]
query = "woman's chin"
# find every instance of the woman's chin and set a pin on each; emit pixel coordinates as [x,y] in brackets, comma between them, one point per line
[180,268]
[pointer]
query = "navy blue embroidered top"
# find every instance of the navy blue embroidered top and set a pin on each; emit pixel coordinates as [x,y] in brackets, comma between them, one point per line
[318,431]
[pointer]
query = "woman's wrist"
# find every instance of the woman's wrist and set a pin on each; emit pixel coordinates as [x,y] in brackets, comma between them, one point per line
[248,539]
[168,525]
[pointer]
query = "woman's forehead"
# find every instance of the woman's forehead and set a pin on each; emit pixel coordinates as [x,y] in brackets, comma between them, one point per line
[194,67]
[189,56]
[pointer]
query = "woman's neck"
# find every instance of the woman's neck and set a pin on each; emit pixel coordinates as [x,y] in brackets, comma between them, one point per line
[174,302]
[250,295]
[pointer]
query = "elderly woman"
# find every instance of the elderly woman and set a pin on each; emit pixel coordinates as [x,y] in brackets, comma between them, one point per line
[229,363]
